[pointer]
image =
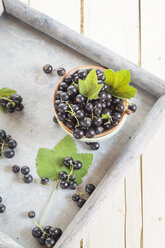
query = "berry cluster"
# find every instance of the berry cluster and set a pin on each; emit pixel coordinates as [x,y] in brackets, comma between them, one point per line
[49,69]
[48,236]
[25,170]
[2,206]
[68,180]
[12,103]
[82,116]
[7,145]
[89,188]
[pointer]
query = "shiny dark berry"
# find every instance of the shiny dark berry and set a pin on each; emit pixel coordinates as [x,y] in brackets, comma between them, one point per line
[105,87]
[2,134]
[28,179]
[68,161]
[99,129]
[2,208]
[108,104]
[72,185]
[104,105]
[108,126]
[44,180]
[16,98]
[86,122]
[101,77]
[15,168]
[76,79]
[108,97]
[57,232]
[47,229]
[89,107]
[97,122]
[0,199]
[61,72]
[36,232]
[98,71]
[64,184]
[63,175]
[82,74]
[55,119]
[8,137]
[3,103]
[72,177]
[78,134]
[107,112]
[62,107]
[89,188]
[56,103]
[12,143]
[80,98]
[115,100]
[19,107]
[80,114]
[31,214]
[81,202]
[68,79]
[75,197]
[95,146]
[63,86]
[90,133]
[64,96]
[47,68]
[75,107]
[115,123]
[72,91]
[77,165]
[119,107]
[70,124]
[98,105]
[61,116]
[9,153]
[49,242]
[102,96]
[58,95]
[42,239]
[117,116]
[132,107]
[97,111]
[25,170]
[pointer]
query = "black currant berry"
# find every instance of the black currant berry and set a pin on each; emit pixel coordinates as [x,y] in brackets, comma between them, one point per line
[105,87]
[72,91]
[15,168]
[117,116]
[44,180]
[63,175]
[115,100]
[107,112]
[80,98]
[70,124]
[108,97]
[68,161]
[57,232]
[64,184]
[31,214]
[102,96]
[68,79]
[63,86]
[80,114]
[99,129]
[28,178]
[89,107]
[8,137]
[119,107]
[61,72]
[42,239]
[36,232]
[82,74]
[12,143]
[62,107]
[64,96]
[78,134]
[77,165]
[115,123]
[61,116]
[19,107]
[2,134]
[25,170]
[56,103]
[89,188]
[97,111]
[104,105]
[55,119]
[72,185]
[49,242]
[90,133]
[132,107]
[95,146]
[47,68]
[0,199]
[101,77]
[75,197]
[98,105]
[58,95]
[9,153]
[76,79]
[81,202]
[108,104]
[72,177]
[97,121]
[16,98]
[86,122]
[47,229]
[2,208]
[98,71]
[108,126]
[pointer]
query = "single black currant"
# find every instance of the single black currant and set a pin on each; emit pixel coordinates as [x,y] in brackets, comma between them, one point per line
[61,72]
[76,79]
[75,107]
[0,199]
[47,68]
[44,180]
[64,184]
[62,107]
[119,107]
[90,133]
[89,188]
[25,170]
[42,239]
[58,95]
[61,116]
[101,77]
[68,79]
[78,134]
[19,107]
[15,168]
[70,124]
[99,129]
[68,161]
[36,232]
[98,105]
[86,122]
[95,146]
[75,197]
[115,100]
[47,229]
[77,165]
[56,103]
[64,96]
[80,98]
[80,114]
[117,116]
[81,202]
[132,107]
[108,104]
[82,74]
[9,153]
[115,123]
[2,134]
[2,208]
[16,98]
[108,97]
[102,96]
[12,143]
[63,86]
[49,242]
[97,122]
[107,112]
[98,71]
[8,137]
[57,232]
[108,126]
[31,214]
[89,107]
[55,119]
[72,177]
[72,185]
[104,105]
[97,111]
[63,175]
[105,87]
[28,178]
[72,91]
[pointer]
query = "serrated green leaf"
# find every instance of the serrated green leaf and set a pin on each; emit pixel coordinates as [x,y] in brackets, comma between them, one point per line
[6,92]
[3,109]
[104,116]
[49,162]
[118,83]
[90,87]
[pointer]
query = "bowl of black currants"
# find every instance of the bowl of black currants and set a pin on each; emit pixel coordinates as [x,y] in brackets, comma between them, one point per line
[90,102]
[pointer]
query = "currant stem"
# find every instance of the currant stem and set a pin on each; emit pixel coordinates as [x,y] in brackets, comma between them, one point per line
[2,148]
[49,203]
[8,99]
[40,227]
[71,171]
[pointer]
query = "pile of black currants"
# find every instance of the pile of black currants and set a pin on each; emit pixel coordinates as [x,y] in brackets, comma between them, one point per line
[47,236]
[25,170]
[89,188]
[14,102]
[7,145]
[2,206]
[68,180]
[86,117]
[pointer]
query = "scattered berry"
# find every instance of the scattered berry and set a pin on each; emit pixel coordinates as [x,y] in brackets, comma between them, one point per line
[75,197]
[95,146]
[89,188]
[15,168]
[2,208]
[31,214]
[132,107]
[61,71]
[49,242]
[81,202]
[28,178]
[77,165]
[36,232]
[63,175]
[25,170]
[47,68]
[44,180]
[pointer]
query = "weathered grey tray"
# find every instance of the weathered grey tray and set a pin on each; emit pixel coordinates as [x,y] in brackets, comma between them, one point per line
[23,52]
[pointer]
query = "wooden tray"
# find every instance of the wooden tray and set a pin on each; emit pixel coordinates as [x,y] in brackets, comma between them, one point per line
[24,49]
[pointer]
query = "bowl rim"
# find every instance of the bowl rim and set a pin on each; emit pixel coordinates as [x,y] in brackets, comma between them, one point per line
[64,126]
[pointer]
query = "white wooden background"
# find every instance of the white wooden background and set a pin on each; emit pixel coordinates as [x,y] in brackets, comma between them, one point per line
[135,217]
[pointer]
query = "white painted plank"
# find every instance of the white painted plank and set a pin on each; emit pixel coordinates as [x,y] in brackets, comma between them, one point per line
[154,191]
[153,36]
[114,24]
[67,12]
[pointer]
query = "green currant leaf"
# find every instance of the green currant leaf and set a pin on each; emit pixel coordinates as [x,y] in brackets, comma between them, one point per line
[49,162]
[90,87]
[6,92]
[118,83]
[104,116]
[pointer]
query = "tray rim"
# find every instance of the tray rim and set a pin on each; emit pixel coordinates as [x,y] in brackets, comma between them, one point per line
[134,147]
